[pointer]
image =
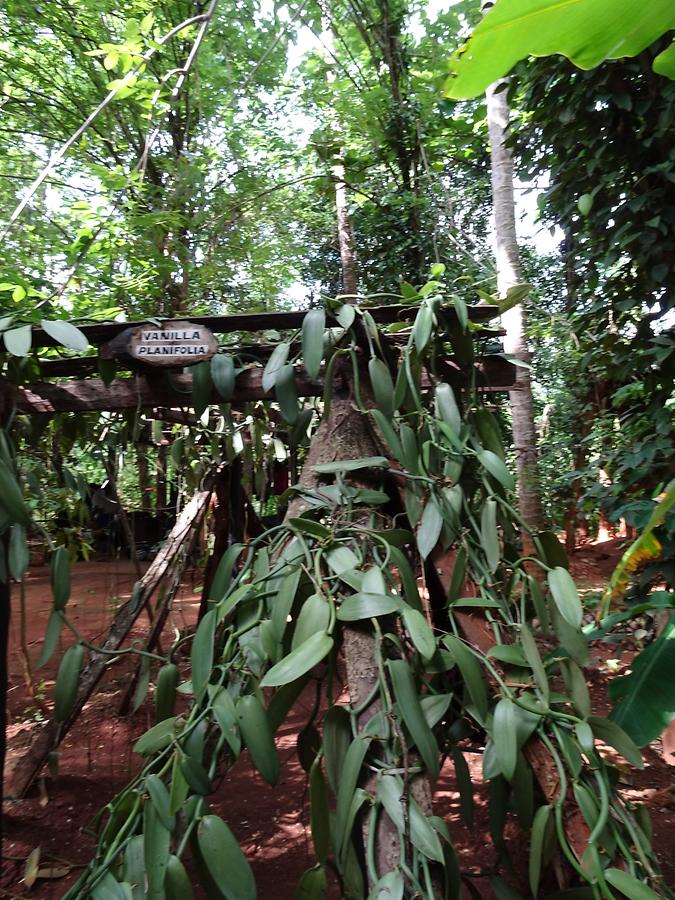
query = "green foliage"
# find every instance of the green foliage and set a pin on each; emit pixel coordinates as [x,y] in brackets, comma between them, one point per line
[603,351]
[280,620]
[585,31]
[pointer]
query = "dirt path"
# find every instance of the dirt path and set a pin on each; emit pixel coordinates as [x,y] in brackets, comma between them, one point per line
[96,759]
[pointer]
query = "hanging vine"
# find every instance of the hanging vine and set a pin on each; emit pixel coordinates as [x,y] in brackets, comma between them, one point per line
[496,657]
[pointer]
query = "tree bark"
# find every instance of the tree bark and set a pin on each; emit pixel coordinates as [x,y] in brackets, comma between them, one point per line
[350,280]
[514,321]
[345,434]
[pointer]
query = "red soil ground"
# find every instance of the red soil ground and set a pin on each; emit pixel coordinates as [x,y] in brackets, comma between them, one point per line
[96,759]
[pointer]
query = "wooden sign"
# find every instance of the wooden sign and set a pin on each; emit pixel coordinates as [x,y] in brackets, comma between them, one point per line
[171,344]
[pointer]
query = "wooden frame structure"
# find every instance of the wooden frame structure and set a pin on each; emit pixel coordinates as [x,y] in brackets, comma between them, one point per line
[67,385]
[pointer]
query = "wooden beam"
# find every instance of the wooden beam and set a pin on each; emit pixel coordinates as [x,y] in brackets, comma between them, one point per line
[492,373]
[384,315]
[81,366]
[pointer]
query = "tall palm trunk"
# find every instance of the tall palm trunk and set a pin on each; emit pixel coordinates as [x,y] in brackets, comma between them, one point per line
[350,279]
[514,322]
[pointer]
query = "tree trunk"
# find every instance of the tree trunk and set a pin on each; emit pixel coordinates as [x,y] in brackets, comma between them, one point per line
[515,340]
[345,434]
[350,278]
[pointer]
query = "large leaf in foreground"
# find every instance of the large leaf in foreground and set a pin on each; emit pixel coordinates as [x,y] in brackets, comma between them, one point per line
[585,31]
[645,699]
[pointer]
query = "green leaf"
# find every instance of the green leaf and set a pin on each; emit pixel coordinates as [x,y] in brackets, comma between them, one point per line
[60,577]
[142,684]
[223,858]
[496,468]
[422,328]
[313,326]
[18,340]
[577,687]
[313,885]
[488,534]
[471,673]
[223,375]
[585,204]
[225,714]
[310,527]
[429,529]
[348,779]
[314,616]
[51,637]
[389,434]
[435,707]
[504,737]
[108,888]
[382,384]
[287,394]
[664,63]
[629,885]
[66,334]
[319,815]
[410,710]
[275,363]
[133,869]
[157,737]
[165,692]
[341,559]
[301,660]
[446,407]
[389,887]
[345,315]
[196,776]
[201,655]
[420,633]
[177,882]
[585,31]
[223,577]
[18,556]
[11,498]
[351,465]
[337,736]
[202,387]
[539,827]
[572,640]
[534,660]
[511,654]
[67,682]
[160,798]
[156,843]
[422,833]
[611,733]
[464,785]
[551,550]
[367,606]
[565,596]
[258,738]
[645,699]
